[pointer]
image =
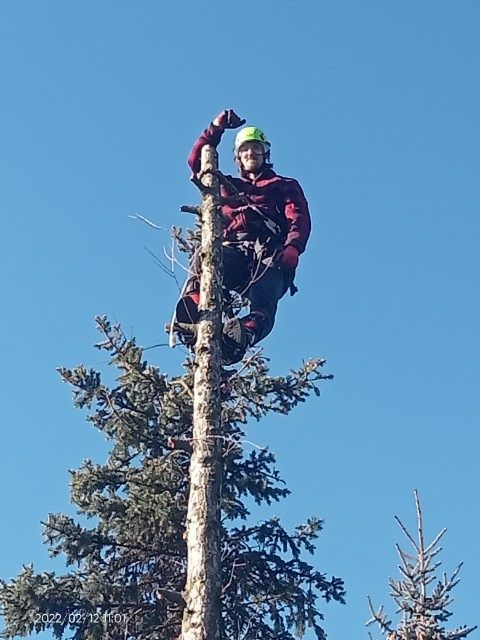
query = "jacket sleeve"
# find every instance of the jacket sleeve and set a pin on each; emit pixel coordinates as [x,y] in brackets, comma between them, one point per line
[298,216]
[211,135]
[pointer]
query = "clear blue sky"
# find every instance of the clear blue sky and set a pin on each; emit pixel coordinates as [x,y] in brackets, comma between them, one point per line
[375,108]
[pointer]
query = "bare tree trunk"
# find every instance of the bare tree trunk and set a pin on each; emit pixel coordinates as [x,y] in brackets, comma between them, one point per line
[203,588]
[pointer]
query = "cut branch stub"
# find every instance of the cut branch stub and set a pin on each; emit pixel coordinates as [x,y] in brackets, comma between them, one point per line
[173,597]
[206,190]
[187,208]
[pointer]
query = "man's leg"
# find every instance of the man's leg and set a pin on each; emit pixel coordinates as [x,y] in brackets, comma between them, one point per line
[241,333]
[236,268]
[264,296]
[236,275]
[187,306]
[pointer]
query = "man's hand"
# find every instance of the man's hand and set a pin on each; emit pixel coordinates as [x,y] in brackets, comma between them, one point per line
[289,257]
[228,119]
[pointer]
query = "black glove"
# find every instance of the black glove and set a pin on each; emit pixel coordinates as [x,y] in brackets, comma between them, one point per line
[228,119]
[288,258]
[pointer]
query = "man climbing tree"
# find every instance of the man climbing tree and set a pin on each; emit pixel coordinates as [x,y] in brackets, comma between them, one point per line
[266,228]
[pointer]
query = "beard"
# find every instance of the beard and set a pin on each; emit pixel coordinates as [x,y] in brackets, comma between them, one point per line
[252,166]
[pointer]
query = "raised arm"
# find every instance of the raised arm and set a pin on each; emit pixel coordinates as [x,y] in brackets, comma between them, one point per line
[212,135]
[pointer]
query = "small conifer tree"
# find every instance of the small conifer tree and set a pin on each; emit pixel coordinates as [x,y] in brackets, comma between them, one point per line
[422,599]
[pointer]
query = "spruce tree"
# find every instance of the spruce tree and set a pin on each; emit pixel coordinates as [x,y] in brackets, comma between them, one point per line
[126,554]
[421,598]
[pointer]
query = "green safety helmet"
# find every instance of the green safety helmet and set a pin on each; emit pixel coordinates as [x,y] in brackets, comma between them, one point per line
[251,134]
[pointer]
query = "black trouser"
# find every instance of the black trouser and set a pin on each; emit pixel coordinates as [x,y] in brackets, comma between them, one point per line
[242,272]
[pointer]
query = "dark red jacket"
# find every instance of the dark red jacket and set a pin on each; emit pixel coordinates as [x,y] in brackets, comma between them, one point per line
[280,199]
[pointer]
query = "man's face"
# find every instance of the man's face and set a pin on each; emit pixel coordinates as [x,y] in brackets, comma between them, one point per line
[251,156]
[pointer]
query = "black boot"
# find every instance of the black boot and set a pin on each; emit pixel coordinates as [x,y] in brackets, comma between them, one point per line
[186,318]
[236,339]
[186,332]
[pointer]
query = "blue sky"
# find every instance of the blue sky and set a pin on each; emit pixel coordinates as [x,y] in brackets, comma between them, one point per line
[375,108]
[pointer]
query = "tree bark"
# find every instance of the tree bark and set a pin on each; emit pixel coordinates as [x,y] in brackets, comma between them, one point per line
[203,587]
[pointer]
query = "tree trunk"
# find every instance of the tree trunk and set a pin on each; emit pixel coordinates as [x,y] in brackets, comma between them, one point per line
[203,588]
